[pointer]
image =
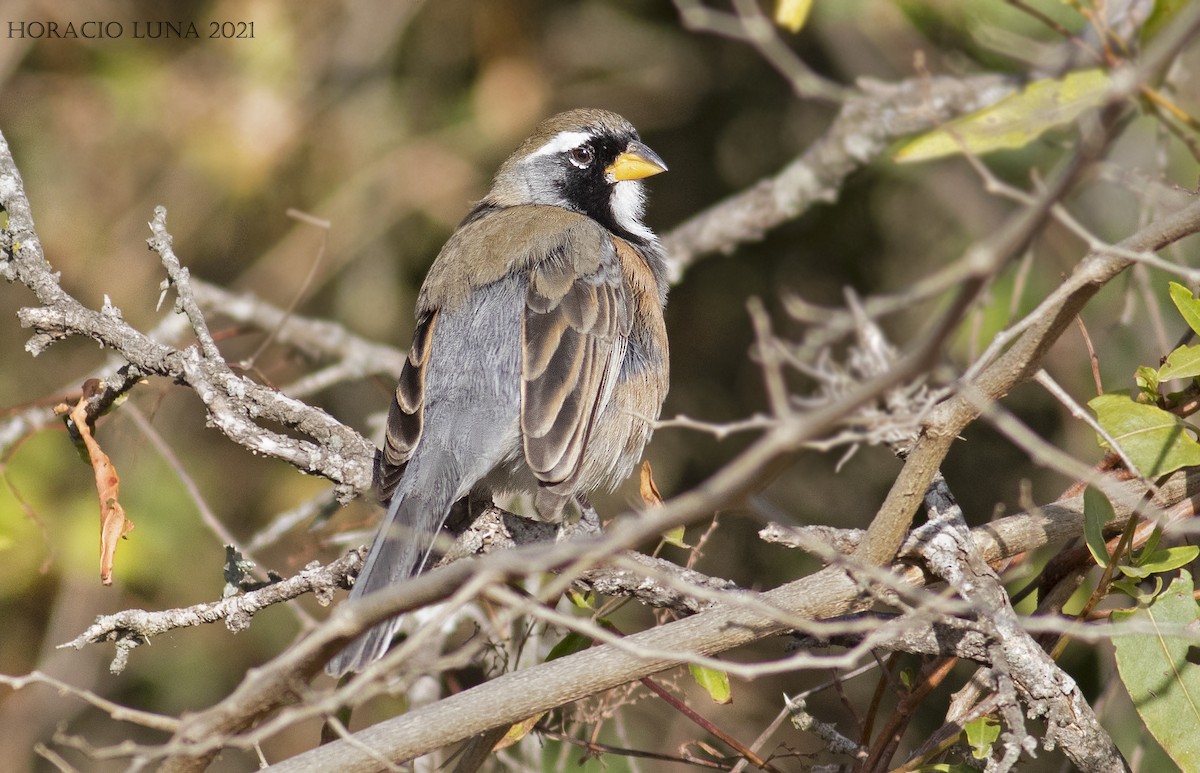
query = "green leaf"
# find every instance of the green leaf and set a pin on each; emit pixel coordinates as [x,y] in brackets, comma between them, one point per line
[1147,382]
[675,537]
[1134,571]
[581,600]
[1184,362]
[1188,305]
[568,645]
[1152,541]
[714,682]
[1014,121]
[1164,11]
[1169,559]
[1160,674]
[1097,511]
[1128,587]
[981,734]
[792,14]
[1155,441]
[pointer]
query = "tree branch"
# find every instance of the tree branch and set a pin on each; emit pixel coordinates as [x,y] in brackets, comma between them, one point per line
[866,124]
[236,404]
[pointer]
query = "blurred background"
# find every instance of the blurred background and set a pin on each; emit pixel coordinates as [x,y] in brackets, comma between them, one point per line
[387,118]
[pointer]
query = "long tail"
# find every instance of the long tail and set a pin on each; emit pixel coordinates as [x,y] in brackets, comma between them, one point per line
[400,550]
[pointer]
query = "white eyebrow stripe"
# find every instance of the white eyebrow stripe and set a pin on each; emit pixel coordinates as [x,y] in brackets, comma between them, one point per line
[561,142]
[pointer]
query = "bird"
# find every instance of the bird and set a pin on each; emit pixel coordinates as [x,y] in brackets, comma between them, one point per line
[539,361]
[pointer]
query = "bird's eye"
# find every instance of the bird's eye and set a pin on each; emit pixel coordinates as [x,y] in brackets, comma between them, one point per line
[582,155]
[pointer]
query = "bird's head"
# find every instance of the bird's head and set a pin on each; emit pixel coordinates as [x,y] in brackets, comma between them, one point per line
[588,161]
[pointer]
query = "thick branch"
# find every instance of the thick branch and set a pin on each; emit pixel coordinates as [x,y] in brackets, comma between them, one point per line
[1016,656]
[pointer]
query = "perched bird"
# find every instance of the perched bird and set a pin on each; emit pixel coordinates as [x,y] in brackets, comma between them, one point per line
[539,361]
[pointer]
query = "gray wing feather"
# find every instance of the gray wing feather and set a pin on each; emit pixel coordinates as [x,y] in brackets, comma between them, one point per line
[470,426]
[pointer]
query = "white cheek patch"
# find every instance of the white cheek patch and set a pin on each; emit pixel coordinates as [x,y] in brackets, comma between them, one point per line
[562,142]
[627,204]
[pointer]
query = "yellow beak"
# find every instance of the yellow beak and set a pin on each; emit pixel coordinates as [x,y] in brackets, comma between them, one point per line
[636,162]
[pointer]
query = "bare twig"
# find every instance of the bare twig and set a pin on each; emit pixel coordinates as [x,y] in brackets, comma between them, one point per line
[235,404]
[177,275]
[116,711]
[134,627]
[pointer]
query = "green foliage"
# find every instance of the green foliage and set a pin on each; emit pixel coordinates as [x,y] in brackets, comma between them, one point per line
[1155,441]
[714,682]
[582,600]
[1164,11]
[1184,362]
[570,644]
[1147,381]
[676,537]
[1188,305]
[390,130]
[1143,563]
[981,734]
[1015,121]
[1148,562]
[1158,670]
[1097,511]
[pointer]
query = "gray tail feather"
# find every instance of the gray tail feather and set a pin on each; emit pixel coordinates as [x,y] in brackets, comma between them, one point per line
[400,550]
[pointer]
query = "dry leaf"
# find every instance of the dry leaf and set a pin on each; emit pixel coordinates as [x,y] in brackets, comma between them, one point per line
[649,489]
[113,523]
[518,731]
[650,495]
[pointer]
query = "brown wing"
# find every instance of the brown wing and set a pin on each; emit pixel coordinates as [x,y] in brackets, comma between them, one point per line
[406,413]
[573,340]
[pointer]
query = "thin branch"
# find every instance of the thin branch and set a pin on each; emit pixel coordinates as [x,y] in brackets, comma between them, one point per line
[207,516]
[134,627]
[115,710]
[742,750]
[236,404]
[861,133]
[593,747]
[752,26]
[319,339]
[324,226]
[177,275]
